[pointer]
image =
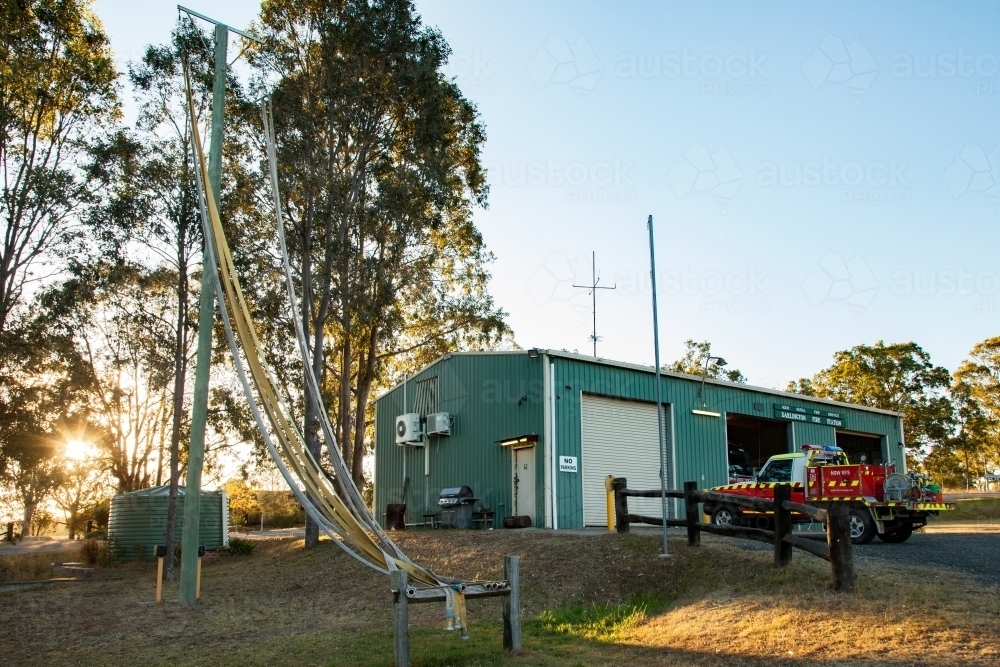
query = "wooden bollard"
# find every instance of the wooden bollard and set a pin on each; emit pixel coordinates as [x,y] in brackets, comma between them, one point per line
[160,551]
[691,513]
[10,532]
[400,618]
[782,525]
[619,484]
[838,537]
[512,604]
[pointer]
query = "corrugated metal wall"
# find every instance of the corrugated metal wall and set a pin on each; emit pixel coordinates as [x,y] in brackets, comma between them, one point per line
[483,393]
[139,519]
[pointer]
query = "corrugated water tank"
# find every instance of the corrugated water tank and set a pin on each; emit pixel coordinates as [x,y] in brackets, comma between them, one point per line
[138,521]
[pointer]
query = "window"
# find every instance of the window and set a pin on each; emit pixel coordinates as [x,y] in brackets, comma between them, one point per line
[776,471]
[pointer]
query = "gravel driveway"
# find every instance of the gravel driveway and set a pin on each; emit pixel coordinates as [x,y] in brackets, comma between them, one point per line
[976,553]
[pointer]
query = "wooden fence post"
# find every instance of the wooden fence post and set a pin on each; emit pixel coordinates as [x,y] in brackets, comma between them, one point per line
[782,525]
[400,619]
[691,513]
[621,504]
[838,537]
[10,532]
[512,604]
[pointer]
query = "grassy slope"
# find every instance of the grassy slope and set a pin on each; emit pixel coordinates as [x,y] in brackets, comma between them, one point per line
[589,600]
[982,509]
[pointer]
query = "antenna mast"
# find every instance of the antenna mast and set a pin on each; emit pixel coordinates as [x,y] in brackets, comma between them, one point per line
[593,287]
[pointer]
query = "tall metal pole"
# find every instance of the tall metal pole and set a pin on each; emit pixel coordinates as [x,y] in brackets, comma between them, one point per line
[659,400]
[206,318]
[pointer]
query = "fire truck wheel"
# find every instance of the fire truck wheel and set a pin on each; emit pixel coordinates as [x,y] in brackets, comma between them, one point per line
[726,515]
[863,529]
[896,536]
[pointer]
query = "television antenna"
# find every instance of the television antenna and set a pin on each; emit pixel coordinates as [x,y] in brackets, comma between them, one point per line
[593,287]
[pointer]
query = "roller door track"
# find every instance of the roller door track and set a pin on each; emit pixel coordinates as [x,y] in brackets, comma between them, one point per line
[619,438]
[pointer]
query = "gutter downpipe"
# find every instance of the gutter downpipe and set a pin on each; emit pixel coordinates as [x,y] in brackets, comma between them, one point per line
[555,457]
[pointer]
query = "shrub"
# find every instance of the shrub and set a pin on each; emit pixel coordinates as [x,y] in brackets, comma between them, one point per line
[90,552]
[240,547]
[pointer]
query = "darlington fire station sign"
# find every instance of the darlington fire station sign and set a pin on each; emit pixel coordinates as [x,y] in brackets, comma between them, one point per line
[809,415]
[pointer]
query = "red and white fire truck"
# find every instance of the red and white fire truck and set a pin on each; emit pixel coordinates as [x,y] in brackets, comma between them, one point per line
[883,502]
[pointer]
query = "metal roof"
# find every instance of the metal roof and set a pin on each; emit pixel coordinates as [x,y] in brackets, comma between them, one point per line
[646,369]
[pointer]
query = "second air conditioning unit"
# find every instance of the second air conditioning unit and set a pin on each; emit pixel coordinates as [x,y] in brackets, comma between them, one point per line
[408,429]
[439,423]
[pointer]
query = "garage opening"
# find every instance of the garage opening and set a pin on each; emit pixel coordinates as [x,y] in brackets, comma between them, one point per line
[856,445]
[751,441]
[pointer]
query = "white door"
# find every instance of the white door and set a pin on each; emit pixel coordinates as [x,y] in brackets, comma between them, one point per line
[523,480]
[619,438]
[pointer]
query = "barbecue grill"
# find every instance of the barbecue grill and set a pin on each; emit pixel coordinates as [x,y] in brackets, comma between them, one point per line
[456,504]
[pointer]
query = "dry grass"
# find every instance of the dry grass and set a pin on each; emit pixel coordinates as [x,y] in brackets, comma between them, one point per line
[909,616]
[590,600]
[33,566]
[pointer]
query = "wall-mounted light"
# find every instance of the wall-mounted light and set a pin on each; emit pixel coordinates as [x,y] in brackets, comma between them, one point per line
[718,361]
[533,353]
[706,413]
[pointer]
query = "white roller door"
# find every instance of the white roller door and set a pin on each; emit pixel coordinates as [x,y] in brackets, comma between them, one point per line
[619,438]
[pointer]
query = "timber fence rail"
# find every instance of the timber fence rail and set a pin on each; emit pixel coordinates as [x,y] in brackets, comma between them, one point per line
[837,549]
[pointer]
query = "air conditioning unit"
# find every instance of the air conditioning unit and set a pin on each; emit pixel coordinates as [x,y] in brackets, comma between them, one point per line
[408,429]
[439,423]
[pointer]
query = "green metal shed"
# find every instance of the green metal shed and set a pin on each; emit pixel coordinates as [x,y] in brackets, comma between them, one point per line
[138,521]
[535,432]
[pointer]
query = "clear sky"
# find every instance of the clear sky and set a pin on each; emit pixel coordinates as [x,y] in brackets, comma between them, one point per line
[818,177]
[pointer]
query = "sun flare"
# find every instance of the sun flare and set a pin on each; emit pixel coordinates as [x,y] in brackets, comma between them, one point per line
[79,449]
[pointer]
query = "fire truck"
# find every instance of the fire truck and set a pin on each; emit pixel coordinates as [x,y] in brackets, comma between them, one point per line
[883,502]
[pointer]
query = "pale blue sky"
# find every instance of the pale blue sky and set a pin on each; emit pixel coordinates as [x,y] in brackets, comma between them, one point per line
[815,183]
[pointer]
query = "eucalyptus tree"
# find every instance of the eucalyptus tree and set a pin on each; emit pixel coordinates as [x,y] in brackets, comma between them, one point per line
[57,87]
[379,163]
[898,377]
[976,395]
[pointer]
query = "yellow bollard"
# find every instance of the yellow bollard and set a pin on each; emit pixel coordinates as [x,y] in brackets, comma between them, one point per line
[609,487]
[160,551]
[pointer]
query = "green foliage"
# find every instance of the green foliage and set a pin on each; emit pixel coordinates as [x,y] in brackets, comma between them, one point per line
[603,623]
[57,85]
[281,509]
[693,363]
[898,377]
[241,547]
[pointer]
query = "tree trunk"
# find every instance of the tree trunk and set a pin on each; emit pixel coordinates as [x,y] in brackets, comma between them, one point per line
[72,523]
[310,426]
[344,400]
[366,375]
[180,374]
[29,512]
